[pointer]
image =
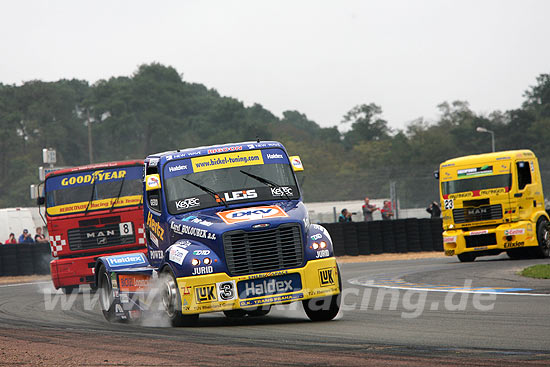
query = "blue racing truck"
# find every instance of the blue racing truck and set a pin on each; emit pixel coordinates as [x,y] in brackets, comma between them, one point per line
[226,230]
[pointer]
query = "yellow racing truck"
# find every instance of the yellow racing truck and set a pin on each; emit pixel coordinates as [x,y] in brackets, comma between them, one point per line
[493,203]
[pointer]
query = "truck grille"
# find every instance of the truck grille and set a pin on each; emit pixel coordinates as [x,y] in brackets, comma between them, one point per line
[84,238]
[467,215]
[261,251]
[481,240]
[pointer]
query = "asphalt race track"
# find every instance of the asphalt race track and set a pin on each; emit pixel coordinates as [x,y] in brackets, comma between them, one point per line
[414,312]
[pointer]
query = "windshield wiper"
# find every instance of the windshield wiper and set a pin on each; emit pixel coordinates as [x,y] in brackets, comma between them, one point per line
[118,196]
[209,191]
[91,198]
[267,182]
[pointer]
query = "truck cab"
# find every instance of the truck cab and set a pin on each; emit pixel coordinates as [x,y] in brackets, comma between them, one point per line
[226,230]
[493,203]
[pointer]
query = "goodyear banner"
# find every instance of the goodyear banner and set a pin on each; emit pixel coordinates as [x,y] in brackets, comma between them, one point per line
[89,177]
[225,160]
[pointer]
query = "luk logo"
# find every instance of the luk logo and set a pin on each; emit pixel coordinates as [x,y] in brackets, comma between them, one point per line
[205,293]
[255,213]
[240,195]
[325,277]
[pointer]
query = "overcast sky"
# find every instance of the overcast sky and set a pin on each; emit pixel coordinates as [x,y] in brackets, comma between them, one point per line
[318,57]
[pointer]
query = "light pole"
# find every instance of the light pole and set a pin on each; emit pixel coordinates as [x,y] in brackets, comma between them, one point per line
[484,130]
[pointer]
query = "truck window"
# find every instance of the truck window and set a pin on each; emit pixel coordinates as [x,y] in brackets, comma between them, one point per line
[153,196]
[524,174]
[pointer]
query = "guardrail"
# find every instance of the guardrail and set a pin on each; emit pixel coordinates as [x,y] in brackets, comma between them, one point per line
[386,236]
[25,259]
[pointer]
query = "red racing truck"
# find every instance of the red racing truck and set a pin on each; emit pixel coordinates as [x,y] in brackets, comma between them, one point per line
[92,211]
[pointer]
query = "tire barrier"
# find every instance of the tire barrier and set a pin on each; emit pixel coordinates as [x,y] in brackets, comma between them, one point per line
[25,259]
[377,237]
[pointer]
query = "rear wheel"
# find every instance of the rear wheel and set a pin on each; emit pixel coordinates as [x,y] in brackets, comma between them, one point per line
[235,314]
[260,311]
[324,308]
[171,300]
[466,257]
[543,237]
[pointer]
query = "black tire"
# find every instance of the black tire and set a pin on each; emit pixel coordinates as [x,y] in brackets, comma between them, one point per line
[466,257]
[70,289]
[316,309]
[517,254]
[543,237]
[106,298]
[171,300]
[235,314]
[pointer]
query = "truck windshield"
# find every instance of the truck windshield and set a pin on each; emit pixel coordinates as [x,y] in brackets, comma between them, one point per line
[72,192]
[476,184]
[233,184]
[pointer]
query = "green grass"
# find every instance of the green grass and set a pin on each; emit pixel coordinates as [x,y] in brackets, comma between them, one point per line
[537,271]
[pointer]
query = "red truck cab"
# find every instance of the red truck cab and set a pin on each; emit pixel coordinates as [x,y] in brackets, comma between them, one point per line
[92,211]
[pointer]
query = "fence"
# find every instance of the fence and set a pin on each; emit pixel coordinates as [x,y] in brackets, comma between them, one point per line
[377,237]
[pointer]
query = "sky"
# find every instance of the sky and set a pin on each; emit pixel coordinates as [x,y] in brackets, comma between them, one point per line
[321,58]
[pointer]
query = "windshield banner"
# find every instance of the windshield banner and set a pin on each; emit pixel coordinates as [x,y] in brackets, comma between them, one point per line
[94,205]
[225,160]
[89,177]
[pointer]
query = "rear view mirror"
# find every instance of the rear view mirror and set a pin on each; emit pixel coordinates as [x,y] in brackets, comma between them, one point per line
[40,200]
[436,175]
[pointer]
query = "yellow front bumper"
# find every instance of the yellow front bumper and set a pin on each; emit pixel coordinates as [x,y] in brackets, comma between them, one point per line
[219,292]
[523,234]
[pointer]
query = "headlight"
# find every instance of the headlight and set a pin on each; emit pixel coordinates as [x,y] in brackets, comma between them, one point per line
[195,262]
[315,245]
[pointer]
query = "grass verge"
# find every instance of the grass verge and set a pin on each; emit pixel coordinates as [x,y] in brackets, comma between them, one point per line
[541,271]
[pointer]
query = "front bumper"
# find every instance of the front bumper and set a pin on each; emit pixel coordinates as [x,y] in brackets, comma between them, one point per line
[220,292]
[508,236]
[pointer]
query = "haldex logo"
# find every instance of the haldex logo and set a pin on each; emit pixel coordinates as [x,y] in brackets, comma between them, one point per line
[275,156]
[271,286]
[125,260]
[177,168]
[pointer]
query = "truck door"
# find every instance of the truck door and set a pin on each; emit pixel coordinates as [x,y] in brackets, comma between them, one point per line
[525,194]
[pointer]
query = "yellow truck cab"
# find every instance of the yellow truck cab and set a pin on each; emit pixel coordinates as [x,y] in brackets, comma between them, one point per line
[493,203]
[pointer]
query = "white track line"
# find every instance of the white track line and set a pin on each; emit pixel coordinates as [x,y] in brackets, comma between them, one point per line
[357,281]
[19,284]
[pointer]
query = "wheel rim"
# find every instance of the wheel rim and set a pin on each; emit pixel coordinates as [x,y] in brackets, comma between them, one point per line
[545,240]
[169,295]
[105,293]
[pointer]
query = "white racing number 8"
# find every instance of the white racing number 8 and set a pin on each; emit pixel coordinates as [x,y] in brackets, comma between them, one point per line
[126,229]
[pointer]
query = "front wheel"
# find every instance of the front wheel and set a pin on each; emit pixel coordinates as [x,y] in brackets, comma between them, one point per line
[543,237]
[171,300]
[105,294]
[466,257]
[324,308]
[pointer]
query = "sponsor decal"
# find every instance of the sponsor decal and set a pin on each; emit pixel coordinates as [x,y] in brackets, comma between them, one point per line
[194,219]
[154,239]
[274,156]
[480,248]
[155,227]
[179,167]
[322,253]
[154,202]
[156,255]
[254,213]
[205,293]
[514,244]
[322,229]
[201,252]
[202,270]
[270,274]
[478,171]
[449,239]
[212,162]
[225,149]
[316,237]
[177,254]
[281,191]
[296,163]
[493,191]
[261,225]
[461,195]
[240,195]
[187,203]
[133,283]
[514,232]
[125,260]
[477,233]
[269,286]
[276,299]
[96,176]
[226,290]
[153,182]
[325,277]
[191,231]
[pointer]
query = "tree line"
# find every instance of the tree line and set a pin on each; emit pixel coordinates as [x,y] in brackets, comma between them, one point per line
[156,110]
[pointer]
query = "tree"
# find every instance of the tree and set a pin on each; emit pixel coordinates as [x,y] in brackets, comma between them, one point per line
[366,124]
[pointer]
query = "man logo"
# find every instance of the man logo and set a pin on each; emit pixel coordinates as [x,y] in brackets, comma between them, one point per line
[477,211]
[325,277]
[205,293]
